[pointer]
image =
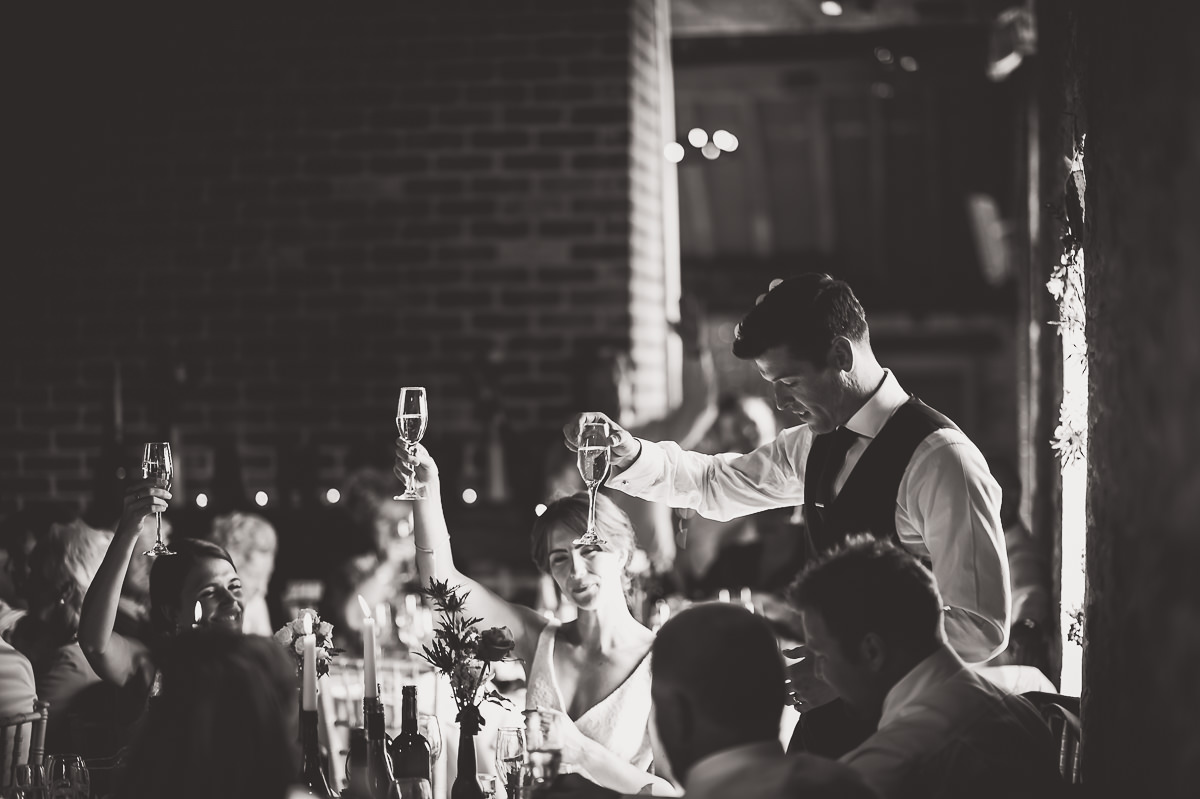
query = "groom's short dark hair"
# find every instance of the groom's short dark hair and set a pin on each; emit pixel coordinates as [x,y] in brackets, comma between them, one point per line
[804,313]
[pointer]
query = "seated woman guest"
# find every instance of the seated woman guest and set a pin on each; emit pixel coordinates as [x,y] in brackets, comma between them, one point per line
[224,724]
[590,675]
[200,575]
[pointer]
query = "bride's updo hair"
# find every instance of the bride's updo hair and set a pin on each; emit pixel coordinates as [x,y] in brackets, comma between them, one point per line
[612,524]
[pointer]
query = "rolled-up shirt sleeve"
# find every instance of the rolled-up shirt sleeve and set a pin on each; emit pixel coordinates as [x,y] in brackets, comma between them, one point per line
[950,503]
[721,487]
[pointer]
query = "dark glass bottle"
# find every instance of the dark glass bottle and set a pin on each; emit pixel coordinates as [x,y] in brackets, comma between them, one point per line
[311,773]
[379,765]
[356,766]
[410,749]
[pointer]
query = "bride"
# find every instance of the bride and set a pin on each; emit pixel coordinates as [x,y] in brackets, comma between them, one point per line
[591,675]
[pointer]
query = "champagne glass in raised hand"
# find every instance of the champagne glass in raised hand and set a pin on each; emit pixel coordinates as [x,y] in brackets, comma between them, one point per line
[412,416]
[593,458]
[158,466]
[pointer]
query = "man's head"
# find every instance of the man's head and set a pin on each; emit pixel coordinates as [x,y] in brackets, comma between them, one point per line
[718,683]
[871,612]
[808,336]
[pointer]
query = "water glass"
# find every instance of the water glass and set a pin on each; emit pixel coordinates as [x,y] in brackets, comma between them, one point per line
[67,777]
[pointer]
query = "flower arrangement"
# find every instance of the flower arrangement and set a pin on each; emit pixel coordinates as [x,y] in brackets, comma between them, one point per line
[465,654]
[291,635]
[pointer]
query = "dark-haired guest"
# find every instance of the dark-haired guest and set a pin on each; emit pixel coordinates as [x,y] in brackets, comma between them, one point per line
[874,623]
[718,691]
[200,575]
[224,724]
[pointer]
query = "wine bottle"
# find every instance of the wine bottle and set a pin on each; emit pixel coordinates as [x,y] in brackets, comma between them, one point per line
[379,765]
[356,766]
[410,749]
[311,774]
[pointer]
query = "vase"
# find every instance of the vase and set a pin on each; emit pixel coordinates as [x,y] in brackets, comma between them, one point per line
[466,783]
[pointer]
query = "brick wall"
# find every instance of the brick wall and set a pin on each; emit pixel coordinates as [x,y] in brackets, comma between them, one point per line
[273,224]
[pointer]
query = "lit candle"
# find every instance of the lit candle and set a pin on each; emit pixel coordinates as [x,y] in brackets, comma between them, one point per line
[370,684]
[198,614]
[308,675]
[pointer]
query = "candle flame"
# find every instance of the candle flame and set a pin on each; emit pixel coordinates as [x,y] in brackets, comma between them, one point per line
[199,611]
[366,609]
[307,624]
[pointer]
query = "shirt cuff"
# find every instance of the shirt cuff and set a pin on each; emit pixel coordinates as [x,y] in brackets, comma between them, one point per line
[642,473]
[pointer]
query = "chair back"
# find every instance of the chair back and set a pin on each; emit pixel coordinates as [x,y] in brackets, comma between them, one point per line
[22,740]
[1061,714]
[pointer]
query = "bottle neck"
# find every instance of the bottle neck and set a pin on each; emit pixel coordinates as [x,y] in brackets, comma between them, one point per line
[408,712]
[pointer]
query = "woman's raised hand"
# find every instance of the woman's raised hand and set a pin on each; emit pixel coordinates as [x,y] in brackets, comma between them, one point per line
[413,462]
[141,500]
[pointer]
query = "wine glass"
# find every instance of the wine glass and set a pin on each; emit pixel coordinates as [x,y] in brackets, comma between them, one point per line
[427,725]
[158,466]
[510,758]
[412,417]
[593,458]
[29,782]
[67,777]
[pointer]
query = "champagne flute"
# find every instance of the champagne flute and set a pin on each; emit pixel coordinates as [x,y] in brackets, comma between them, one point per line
[593,458]
[157,465]
[412,417]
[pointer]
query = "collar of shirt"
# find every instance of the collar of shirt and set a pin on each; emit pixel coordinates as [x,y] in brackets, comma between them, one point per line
[716,764]
[886,400]
[931,672]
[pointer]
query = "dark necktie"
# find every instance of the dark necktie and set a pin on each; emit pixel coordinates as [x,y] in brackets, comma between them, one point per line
[840,441]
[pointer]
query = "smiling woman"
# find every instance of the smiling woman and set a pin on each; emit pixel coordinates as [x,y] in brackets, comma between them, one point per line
[588,678]
[200,575]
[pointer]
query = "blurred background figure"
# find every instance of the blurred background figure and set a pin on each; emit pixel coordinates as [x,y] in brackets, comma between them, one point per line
[61,569]
[252,543]
[380,555]
[19,534]
[714,555]
[225,723]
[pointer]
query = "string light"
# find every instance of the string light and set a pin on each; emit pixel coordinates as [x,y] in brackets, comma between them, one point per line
[260,499]
[469,495]
[539,509]
[710,151]
[673,152]
[697,137]
[202,500]
[831,9]
[725,140]
[333,496]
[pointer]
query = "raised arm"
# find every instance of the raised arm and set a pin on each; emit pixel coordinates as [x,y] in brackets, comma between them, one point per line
[116,658]
[434,557]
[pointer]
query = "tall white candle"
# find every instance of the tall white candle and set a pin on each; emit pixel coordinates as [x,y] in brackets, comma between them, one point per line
[308,674]
[198,613]
[370,683]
